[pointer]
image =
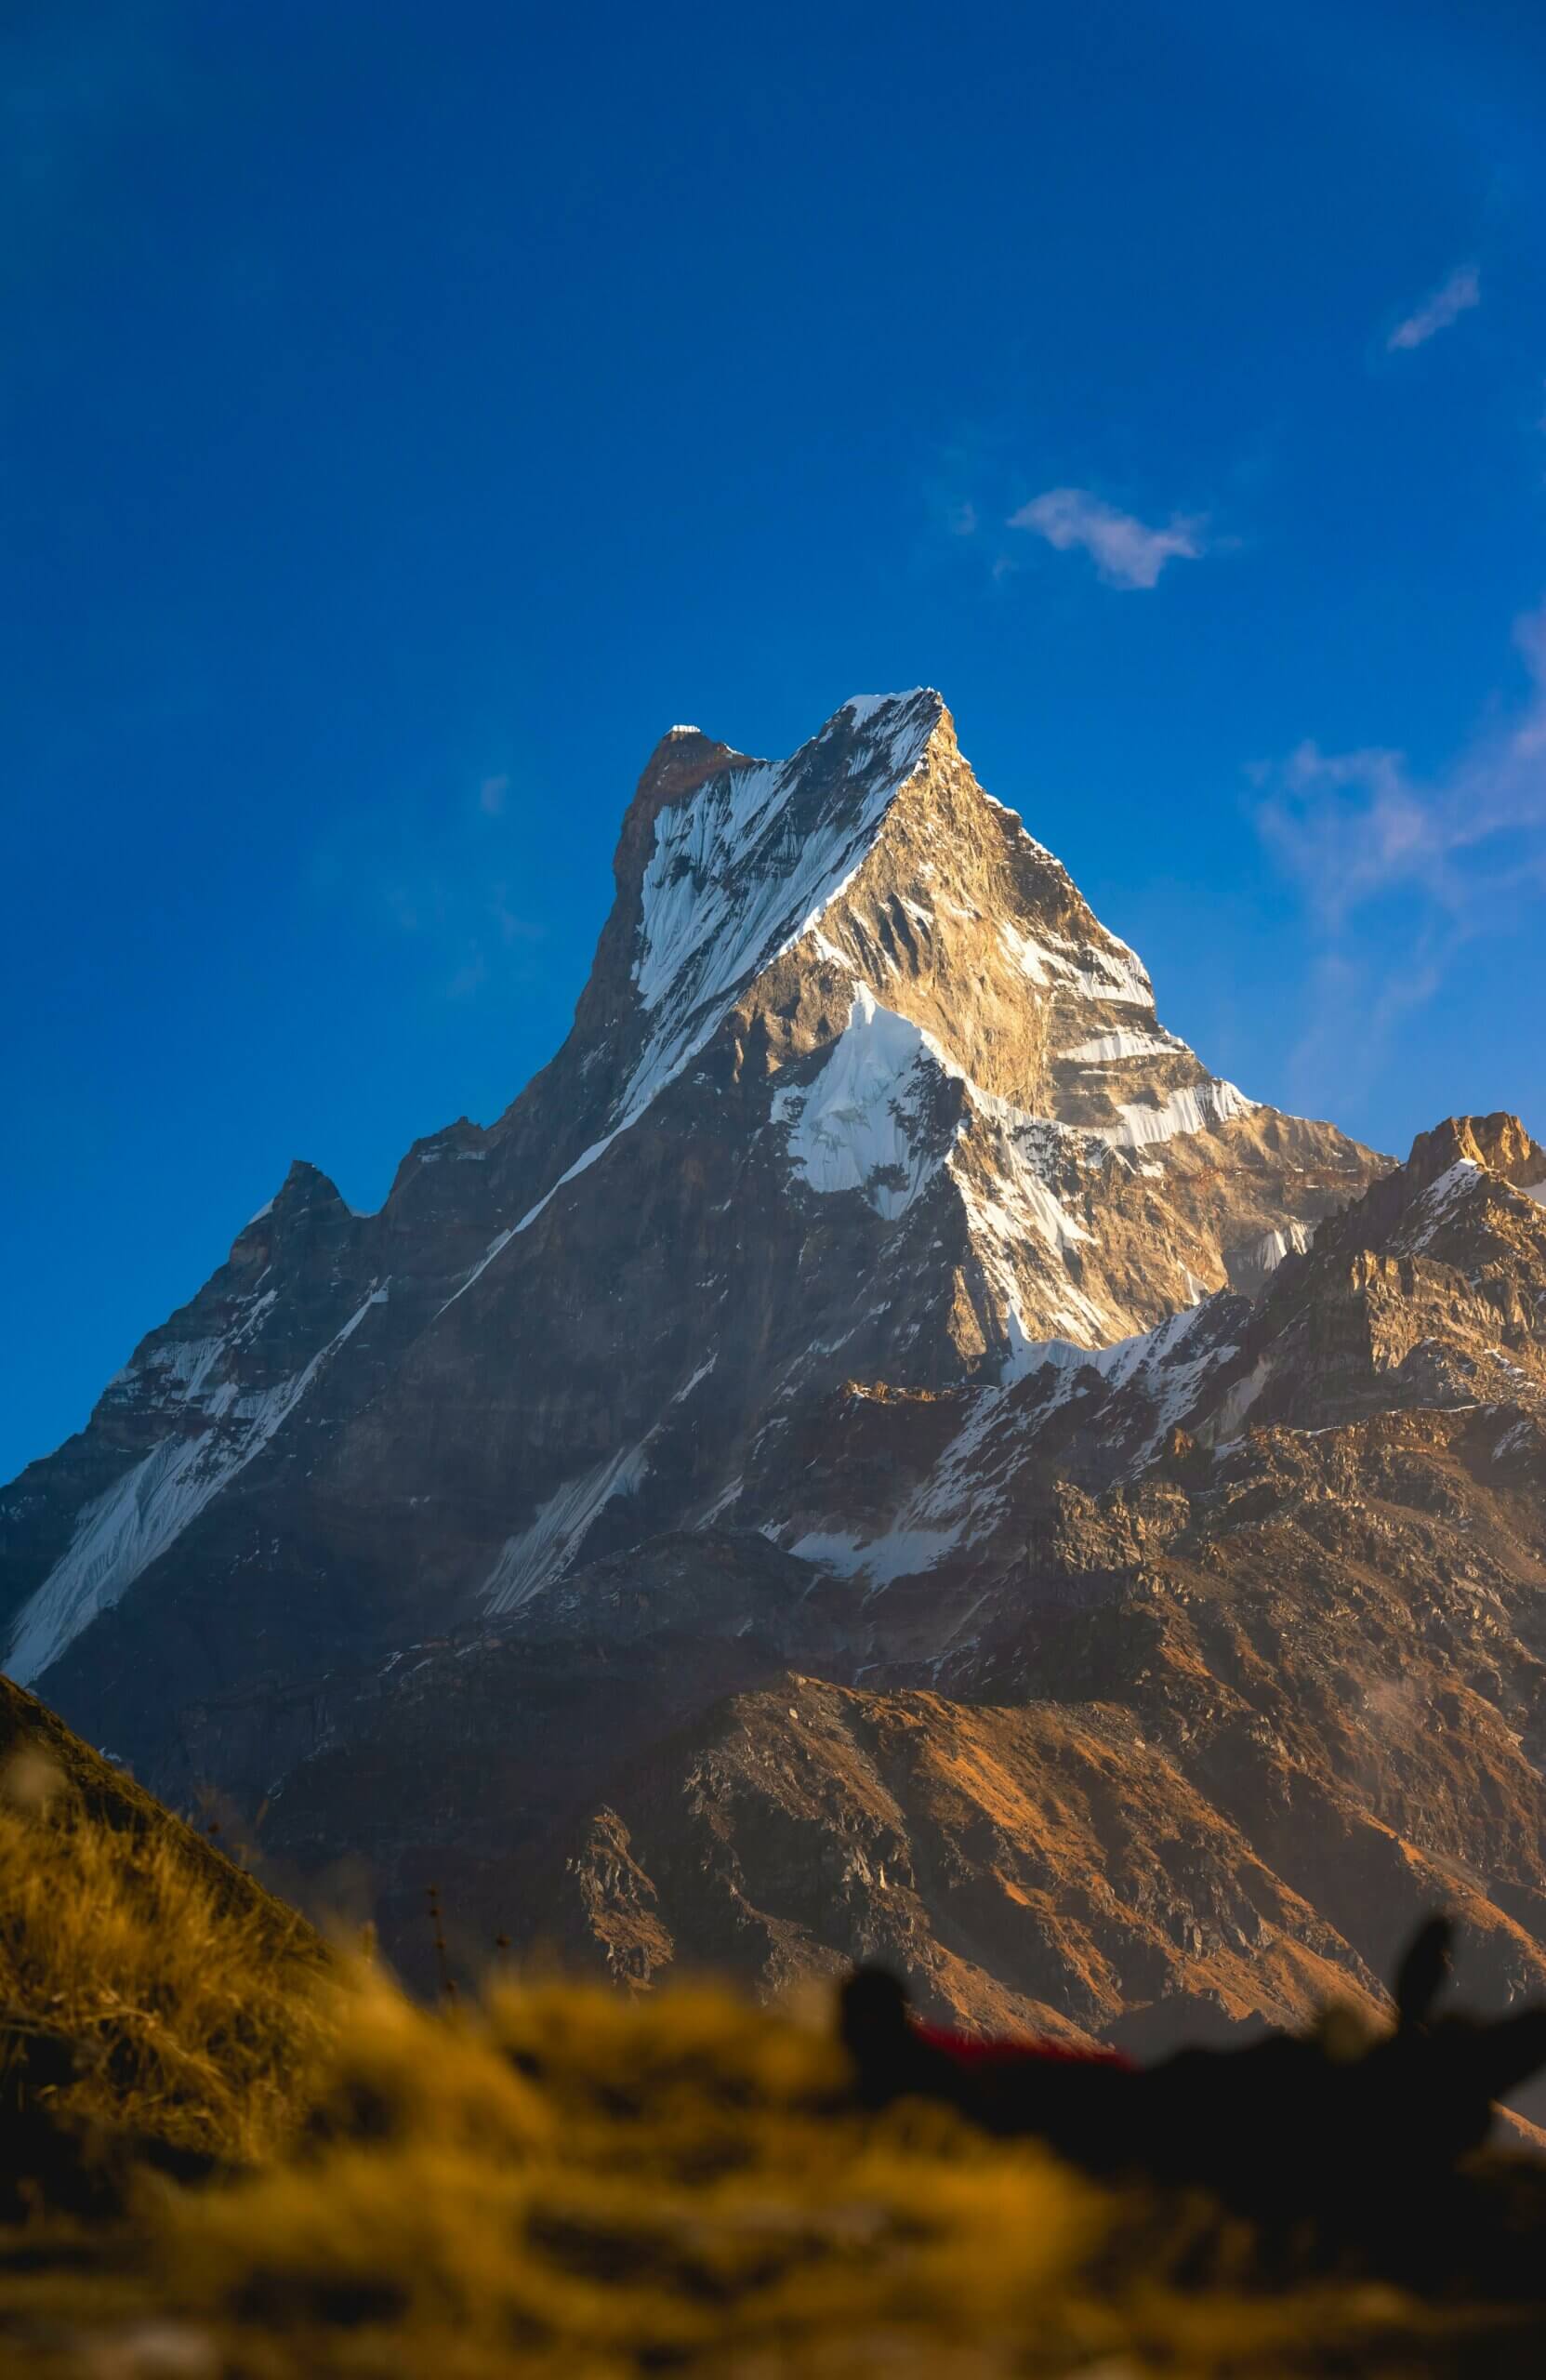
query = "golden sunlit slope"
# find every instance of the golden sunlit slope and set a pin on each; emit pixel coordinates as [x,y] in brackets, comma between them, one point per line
[163,1990]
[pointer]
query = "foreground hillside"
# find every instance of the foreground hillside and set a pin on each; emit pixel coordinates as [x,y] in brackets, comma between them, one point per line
[227,2154]
[146,1983]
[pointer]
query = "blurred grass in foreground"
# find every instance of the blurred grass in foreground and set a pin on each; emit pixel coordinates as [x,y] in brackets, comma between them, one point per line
[567,2181]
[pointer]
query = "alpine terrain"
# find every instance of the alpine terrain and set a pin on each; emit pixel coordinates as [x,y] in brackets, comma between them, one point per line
[878,1449]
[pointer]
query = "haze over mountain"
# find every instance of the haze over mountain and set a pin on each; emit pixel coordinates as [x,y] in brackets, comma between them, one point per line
[877,1447]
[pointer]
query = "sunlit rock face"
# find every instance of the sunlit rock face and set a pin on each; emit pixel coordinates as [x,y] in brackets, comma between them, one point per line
[871,1288]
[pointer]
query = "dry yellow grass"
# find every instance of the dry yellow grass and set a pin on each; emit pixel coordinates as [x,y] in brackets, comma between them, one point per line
[197,2004]
[563,2181]
[192,2023]
[566,2182]
[663,2183]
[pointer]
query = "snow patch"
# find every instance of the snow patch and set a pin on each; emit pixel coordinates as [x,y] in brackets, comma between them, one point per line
[730,873]
[1224,1423]
[861,1126]
[1031,957]
[862,708]
[1195,1109]
[1110,1049]
[1252,1267]
[1116,973]
[120,1534]
[685,1391]
[861,1116]
[582,1164]
[901,1553]
[1104,971]
[1162,1363]
[544,1550]
[1432,1209]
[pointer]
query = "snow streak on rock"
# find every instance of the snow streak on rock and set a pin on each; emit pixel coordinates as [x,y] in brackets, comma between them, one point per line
[544,1550]
[1112,1049]
[1097,971]
[1146,1122]
[123,1532]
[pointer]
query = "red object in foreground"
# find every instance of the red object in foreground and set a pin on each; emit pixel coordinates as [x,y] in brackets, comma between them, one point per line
[970,2049]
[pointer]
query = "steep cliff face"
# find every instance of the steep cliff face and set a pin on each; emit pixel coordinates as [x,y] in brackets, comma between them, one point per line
[876,1448]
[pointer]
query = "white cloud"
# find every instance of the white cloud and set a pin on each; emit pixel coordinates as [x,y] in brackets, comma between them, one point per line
[1452,299]
[491,794]
[1465,851]
[1125,551]
[1353,826]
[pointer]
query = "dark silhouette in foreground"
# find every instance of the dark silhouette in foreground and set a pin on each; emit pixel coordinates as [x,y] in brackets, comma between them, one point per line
[1361,2136]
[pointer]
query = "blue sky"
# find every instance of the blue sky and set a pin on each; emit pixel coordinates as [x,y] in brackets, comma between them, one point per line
[408,412]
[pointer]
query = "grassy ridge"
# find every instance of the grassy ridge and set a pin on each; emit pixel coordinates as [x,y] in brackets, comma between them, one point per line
[568,2181]
[193,2002]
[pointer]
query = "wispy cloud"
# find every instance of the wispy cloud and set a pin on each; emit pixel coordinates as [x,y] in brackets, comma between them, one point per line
[1452,299]
[1464,850]
[1352,826]
[1124,549]
[491,796]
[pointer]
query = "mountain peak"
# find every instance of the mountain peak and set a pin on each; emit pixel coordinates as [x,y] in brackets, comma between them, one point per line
[686,758]
[306,1184]
[866,914]
[722,863]
[861,711]
[875,721]
[1499,1143]
[305,1190]
[681,762]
